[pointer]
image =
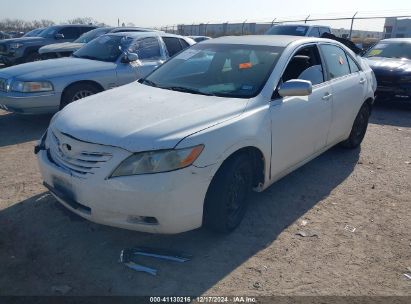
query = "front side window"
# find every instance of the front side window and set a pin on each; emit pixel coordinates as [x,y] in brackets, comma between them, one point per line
[228,70]
[70,32]
[336,61]
[146,48]
[390,50]
[49,32]
[305,65]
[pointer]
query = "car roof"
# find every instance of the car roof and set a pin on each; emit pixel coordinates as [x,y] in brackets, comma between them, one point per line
[75,25]
[408,40]
[133,28]
[269,40]
[142,34]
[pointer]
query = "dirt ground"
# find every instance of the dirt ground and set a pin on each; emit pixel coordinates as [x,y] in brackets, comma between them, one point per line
[368,190]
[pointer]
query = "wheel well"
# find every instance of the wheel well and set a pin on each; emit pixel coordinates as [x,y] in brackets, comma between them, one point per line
[257,158]
[90,82]
[370,102]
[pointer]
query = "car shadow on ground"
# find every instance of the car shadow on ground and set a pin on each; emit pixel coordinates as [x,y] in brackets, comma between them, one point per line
[42,244]
[17,129]
[392,113]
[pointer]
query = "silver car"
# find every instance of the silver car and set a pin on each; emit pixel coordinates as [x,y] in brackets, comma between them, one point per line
[109,61]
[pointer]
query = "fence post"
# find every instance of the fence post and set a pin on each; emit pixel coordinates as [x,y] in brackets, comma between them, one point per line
[242,29]
[352,23]
[205,28]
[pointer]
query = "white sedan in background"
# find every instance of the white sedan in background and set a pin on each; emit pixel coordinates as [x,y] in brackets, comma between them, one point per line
[185,146]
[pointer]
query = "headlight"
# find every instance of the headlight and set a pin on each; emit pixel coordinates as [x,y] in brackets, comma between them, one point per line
[15,46]
[31,86]
[158,161]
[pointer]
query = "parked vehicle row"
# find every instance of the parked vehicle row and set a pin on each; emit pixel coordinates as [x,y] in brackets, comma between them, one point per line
[109,61]
[25,49]
[184,146]
[58,50]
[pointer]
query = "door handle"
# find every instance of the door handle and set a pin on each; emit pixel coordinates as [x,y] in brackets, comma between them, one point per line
[327,96]
[362,81]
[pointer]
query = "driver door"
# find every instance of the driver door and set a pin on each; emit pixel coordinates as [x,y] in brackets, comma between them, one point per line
[300,124]
[150,57]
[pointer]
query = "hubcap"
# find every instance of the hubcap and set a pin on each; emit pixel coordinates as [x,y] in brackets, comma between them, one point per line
[82,94]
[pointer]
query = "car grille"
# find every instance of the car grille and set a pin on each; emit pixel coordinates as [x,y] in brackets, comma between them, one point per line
[3,85]
[79,159]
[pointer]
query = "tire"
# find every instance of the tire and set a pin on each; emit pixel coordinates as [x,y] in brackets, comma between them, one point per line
[76,92]
[359,128]
[227,197]
[32,57]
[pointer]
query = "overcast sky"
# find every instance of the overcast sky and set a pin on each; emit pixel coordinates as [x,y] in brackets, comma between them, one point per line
[166,12]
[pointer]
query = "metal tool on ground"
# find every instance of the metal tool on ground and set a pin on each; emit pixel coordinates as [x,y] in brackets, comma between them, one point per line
[127,257]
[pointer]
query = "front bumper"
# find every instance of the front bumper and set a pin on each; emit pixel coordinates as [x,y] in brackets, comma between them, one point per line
[174,199]
[27,103]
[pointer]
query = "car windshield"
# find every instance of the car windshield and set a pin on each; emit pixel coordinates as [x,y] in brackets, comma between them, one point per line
[48,32]
[87,37]
[104,48]
[226,70]
[33,33]
[292,30]
[390,50]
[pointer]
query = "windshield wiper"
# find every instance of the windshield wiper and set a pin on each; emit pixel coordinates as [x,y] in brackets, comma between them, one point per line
[187,90]
[148,82]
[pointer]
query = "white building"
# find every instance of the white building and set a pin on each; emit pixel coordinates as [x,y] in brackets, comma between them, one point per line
[397,28]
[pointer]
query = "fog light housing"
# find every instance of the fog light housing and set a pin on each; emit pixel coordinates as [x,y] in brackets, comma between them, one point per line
[142,220]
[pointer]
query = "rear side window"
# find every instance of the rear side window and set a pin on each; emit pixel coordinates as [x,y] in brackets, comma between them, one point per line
[146,48]
[184,44]
[315,32]
[70,32]
[353,65]
[85,29]
[336,61]
[173,45]
[324,30]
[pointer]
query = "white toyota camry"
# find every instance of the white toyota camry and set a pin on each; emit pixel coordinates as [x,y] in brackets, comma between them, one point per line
[184,146]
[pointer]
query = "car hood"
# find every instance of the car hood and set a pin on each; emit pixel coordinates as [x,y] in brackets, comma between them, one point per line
[48,69]
[137,117]
[389,64]
[60,47]
[23,40]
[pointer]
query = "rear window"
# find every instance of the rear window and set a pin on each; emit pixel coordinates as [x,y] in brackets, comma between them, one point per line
[293,30]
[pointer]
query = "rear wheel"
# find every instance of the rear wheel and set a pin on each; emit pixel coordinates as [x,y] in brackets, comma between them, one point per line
[32,57]
[226,199]
[359,128]
[76,92]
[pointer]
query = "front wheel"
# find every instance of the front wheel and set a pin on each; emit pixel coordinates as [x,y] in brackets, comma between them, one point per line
[226,199]
[76,92]
[359,128]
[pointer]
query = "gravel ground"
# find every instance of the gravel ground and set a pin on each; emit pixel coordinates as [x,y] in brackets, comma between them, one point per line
[353,206]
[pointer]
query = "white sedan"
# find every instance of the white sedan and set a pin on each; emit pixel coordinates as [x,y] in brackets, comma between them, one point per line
[184,146]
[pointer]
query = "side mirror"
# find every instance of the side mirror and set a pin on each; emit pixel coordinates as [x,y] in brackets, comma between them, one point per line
[59,36]
[295,87]
[130,57]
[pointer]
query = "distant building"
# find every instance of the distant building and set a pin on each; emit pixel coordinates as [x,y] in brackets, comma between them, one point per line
[397,28]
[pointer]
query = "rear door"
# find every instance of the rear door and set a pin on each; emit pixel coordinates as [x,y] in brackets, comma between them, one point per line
[347,89]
